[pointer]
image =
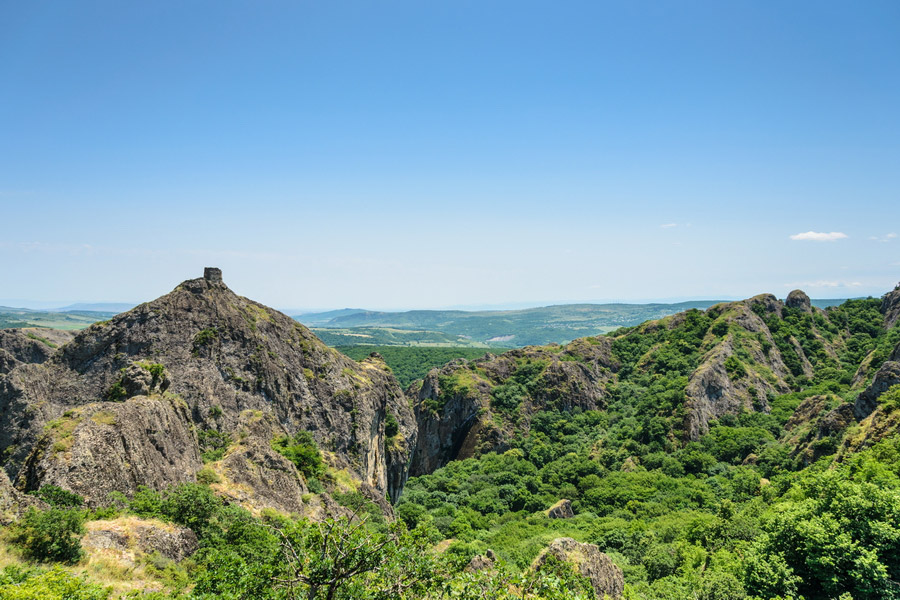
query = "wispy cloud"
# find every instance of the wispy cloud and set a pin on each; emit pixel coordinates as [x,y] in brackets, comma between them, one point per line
[823,283]
[818,236]
[883,238]
[673,225]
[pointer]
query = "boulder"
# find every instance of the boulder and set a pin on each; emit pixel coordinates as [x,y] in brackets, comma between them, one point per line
[561,510]
[799,300]
[606,578]
[125,539]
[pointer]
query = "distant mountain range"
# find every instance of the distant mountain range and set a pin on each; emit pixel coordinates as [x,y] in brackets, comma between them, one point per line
[503,328]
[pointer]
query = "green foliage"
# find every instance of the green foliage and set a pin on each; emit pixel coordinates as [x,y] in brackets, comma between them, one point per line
[57,497]
[302,450]
[409,363]
[391,426]
[50,535]
[735,368]
[116,392]
[189,504]
[53,584]
[213,444]
[205,337]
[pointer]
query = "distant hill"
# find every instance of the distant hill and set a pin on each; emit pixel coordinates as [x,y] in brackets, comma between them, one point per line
[493,328]
[107,307]
[530,326]
[69,320]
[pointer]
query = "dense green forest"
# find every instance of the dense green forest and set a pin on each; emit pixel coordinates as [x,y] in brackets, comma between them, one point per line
[409,363]
[763,504]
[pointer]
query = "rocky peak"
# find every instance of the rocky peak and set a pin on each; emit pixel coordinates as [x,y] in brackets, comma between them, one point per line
[202,359]
[890,307]
[799,300]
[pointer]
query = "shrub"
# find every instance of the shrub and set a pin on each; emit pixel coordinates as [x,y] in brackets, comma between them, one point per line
[213,444]
[391,427]
[191,505]
[301,449]
[54,584]
[50,535]
[57,497]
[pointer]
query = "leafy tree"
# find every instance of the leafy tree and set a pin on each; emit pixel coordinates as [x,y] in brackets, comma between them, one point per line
[50,535]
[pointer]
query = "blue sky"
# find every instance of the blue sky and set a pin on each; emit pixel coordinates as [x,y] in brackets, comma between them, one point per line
[433,154]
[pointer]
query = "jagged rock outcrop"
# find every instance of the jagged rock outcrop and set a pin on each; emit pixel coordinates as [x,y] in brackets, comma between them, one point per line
[561,510]
[455,404]
[100,448]
[606,578]
[890,306]
[481,562]
[723,383]
[816,427]
[886,377]
[30,345]
[13,502]
[194,360]
[126,539]
[799,300]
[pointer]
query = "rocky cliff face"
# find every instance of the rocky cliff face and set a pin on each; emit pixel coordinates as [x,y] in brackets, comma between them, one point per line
[465,408]
[890,306]
[126,402]
[733,357]
[29,346]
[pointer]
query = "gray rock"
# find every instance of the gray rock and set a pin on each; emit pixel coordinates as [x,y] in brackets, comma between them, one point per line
[479,563]
[798,299]
[561,510]
[127,537]
[890,307]
[605,577]
[30,345]
[886,377]
[224,355]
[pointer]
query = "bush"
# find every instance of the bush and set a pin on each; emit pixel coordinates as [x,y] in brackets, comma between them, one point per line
[301,449]
[53,584]
[57,497]
[191,505]
[50,535]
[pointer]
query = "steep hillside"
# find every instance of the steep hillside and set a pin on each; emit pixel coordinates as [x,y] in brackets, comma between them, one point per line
[138,399]
[676,375]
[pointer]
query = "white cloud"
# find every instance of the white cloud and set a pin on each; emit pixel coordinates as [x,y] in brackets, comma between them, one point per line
[817,236]
[669,225]
[823,284]
[883,238]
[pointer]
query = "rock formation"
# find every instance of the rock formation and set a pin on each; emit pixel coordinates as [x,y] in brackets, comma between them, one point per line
[799,300]
[454,404]
[606,578]
[886,377]
[561,510]
[126,401]
[890,307]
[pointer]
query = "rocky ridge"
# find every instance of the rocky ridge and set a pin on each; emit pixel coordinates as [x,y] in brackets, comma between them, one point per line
[127,402]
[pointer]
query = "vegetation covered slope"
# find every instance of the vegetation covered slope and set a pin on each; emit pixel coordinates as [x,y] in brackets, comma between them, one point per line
[511,328]
[795,495]
[670,377]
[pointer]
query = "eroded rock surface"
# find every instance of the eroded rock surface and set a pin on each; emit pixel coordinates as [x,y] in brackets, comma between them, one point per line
[126,401]
[587,559]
